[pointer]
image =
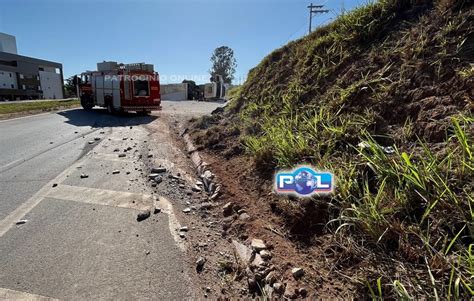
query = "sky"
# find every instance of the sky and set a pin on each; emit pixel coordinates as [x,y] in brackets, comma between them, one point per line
[177,36]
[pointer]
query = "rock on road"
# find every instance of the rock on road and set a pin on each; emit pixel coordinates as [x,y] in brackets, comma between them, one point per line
[79,237]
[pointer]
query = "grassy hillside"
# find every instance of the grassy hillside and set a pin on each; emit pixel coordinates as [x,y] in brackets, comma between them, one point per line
[382,97]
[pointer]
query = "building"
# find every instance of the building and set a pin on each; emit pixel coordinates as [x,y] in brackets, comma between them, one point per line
[23,77]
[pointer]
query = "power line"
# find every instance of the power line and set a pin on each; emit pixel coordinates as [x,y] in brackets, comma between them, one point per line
[315,9]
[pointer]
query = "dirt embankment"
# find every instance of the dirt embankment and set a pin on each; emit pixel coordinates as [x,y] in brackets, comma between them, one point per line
[396,73]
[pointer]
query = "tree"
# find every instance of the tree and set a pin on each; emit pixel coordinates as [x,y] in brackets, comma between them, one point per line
[223,64]
[70,87]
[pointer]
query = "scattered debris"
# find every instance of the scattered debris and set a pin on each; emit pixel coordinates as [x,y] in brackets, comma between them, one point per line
[143,215]
[243,253]
[297,272]
[244,217]
[200,263]
[258,244]
[158,170]
[266,255]
[196,188]
[228,209]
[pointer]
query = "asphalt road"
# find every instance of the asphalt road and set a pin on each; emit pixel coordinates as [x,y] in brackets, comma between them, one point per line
[80,238]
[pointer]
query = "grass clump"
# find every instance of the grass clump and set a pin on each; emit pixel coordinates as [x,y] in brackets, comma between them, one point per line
[382,97]
[9,108]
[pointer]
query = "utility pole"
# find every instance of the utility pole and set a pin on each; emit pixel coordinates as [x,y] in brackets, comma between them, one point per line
[315,9]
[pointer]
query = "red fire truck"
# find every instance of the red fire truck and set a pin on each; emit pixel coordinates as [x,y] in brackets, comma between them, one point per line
[120,88]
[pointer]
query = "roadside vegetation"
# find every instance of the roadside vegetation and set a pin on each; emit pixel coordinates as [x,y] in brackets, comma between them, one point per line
[37,106]
[383,98]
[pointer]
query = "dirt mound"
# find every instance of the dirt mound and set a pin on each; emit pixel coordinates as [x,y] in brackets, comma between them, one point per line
[394,73]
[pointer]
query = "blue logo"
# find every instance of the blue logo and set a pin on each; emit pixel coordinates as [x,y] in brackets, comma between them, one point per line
[304,181]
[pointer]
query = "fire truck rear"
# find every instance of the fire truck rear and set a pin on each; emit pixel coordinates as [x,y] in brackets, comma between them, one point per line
[120,88]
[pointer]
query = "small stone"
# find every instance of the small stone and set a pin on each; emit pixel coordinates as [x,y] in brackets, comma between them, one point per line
[266,255]
[187,210]
[258,244]
[21,222]
[115,172]
[102,132]
[116,150]
[196,188]
[143,215]
[55,184]
[302,292]
[147,253]
[157,210]
[182,235]
[205,206]
[200,263]
[271,278]
[199,183]
[83,176]
[181,186]
[91,142]
[257,261]
[158,170]
[158,179]
[150,156]
[297,272]
[244,217]
[121,155]
[278,287]
[153,176]
[228,209]
[96,138]
[208,289]
[183,229]
[244,254]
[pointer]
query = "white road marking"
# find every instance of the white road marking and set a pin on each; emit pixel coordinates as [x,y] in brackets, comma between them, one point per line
[166,207]
[7,294]
[105,197]
[27,206]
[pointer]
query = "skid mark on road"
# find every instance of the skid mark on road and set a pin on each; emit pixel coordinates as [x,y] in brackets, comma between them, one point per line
[7,294]
[105,197]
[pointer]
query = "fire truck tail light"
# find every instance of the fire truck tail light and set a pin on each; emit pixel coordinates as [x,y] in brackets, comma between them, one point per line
[157,100]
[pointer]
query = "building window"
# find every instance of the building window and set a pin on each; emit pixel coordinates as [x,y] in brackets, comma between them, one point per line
[13,86]
[41,69]
[21,76]
[10,74]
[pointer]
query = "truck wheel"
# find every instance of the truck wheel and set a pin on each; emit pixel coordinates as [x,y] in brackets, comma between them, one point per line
[87,103]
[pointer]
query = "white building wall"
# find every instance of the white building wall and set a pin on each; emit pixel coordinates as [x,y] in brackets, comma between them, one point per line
[51,85]
[174,91]
[8,43]
[8,80]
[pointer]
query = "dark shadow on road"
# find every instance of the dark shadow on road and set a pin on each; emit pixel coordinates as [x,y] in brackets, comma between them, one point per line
[101,118]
